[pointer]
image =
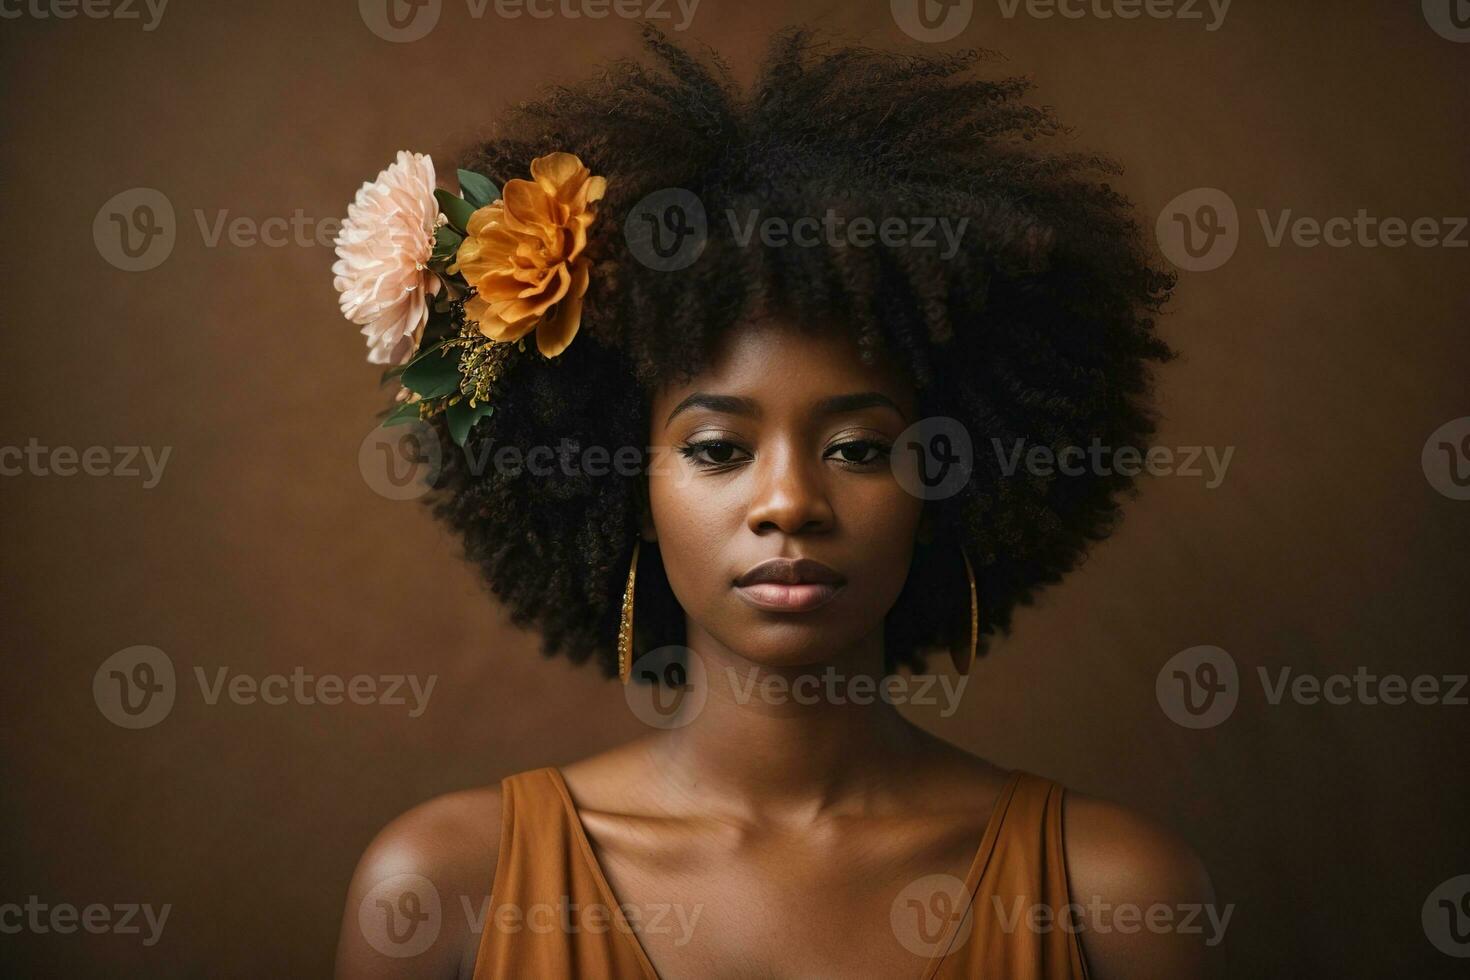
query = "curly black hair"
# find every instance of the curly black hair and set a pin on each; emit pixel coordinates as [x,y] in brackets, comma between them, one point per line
[1040,329]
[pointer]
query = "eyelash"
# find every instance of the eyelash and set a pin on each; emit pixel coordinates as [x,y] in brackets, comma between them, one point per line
[691,451]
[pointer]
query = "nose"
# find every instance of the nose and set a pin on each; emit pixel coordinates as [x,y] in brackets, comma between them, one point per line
[790,495]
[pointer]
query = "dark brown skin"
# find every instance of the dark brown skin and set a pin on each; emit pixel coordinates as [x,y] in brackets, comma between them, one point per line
[789,826]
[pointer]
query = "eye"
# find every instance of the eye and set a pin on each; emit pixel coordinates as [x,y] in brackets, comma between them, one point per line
[711,453]
[860,452]
[717,453]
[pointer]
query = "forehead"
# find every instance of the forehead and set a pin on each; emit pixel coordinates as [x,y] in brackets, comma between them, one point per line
[780,363]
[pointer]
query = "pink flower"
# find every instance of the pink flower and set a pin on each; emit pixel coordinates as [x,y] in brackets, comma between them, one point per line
[383,256]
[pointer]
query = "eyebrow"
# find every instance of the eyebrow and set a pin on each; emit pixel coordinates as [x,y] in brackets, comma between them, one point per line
[740,405]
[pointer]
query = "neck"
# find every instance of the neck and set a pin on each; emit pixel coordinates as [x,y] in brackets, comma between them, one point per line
[786,743]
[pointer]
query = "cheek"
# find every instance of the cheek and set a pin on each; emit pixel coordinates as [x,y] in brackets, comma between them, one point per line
[883,525]
[695,530]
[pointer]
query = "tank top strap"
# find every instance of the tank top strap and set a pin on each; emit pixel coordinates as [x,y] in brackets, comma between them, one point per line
[550,913]
[1023,925]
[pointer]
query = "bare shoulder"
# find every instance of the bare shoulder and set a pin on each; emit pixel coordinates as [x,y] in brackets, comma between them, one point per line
[1146,902]
[615,780]
[416,899]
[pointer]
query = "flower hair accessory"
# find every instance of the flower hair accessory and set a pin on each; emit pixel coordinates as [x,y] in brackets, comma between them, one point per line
[447,288]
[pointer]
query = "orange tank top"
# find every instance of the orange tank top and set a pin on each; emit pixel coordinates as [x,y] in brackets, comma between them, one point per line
[1000,922]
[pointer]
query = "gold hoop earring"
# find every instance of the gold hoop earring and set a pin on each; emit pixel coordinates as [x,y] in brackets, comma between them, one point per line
[962,662]
[625,623]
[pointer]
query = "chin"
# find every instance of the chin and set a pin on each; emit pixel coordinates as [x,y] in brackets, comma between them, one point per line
[811,643]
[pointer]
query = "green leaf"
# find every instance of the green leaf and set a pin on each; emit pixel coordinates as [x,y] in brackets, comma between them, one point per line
[478,189]
[407,412]
[456,209]
[433,375]
[462,418]
[446,243]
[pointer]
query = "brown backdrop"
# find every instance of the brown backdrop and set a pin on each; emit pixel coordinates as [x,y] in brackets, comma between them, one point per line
[263,548]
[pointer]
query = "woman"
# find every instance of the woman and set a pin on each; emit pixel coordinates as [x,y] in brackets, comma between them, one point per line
[802,302]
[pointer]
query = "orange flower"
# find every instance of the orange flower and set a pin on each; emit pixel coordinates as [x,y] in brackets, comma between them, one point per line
[523,254]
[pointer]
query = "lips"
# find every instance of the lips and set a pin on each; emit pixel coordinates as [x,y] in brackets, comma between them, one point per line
[789,584]
[790,571]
